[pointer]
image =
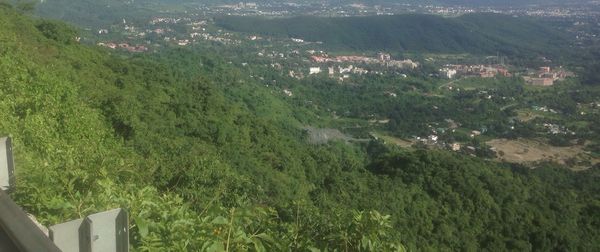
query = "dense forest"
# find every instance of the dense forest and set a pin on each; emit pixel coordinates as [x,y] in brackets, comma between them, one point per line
[473,33]
[206,159]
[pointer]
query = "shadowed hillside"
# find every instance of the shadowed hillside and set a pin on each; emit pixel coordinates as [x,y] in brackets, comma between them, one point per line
[475,33]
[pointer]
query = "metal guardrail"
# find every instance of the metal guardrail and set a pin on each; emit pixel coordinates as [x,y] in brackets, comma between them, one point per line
[101,232]
[19,231]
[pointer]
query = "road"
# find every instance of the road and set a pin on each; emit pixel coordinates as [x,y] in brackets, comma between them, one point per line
[450,82]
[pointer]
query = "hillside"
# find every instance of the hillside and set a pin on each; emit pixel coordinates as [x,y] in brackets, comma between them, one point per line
[474,33]
[88,13]
[499,3]
[206,159]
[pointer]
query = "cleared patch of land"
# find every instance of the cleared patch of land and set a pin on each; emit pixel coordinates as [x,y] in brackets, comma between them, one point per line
[525,115]
[324,135]
[527,151]
[392,140]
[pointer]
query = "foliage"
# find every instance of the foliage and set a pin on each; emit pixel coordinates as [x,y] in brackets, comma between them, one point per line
[206,159]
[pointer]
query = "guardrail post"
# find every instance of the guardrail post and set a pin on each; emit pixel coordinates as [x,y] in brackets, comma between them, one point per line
[101,232]
[109,231]
[6,164]
[68,236]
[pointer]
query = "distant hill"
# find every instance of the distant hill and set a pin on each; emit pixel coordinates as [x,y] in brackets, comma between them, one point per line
[90,13]
[499,3]
[473,33]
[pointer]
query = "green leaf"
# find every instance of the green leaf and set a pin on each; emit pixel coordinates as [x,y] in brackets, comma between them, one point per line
[313,249]
[141,225]
[219,220]
[215,247]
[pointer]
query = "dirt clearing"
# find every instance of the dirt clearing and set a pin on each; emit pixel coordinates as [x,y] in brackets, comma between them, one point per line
[527,151]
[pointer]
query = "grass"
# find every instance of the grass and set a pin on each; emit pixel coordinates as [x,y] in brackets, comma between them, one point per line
[526,115]
[471,83]
[392,140]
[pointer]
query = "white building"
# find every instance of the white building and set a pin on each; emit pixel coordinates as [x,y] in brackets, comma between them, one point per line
[384,56]
[314,70]
[288,92]
[448,73]
[346,70]
[455,146]
[358,70]
[331,70]
[432,138]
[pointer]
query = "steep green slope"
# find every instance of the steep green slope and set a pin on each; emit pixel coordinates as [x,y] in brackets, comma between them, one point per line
[94,131]
[205,158]
[474,33]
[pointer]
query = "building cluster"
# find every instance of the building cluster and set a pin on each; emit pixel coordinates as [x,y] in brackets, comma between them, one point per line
[546,76]
[482,71]
[556,129]
[210,37]
[297,75]
[339,72]
[447,10]
[125,46]
[336,71]
[239,6]
[198,31]
[342,67]
[383,59]
[159,28]
[168,20]
[433,141]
